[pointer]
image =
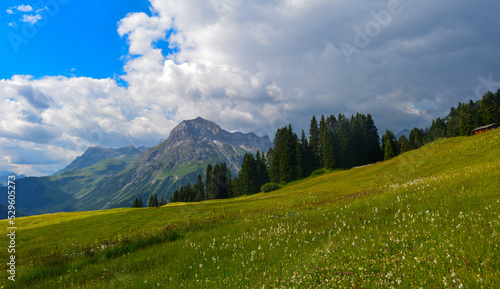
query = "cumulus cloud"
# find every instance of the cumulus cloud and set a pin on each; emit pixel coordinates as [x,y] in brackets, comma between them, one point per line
[31,19]
[24,8]
[256,66]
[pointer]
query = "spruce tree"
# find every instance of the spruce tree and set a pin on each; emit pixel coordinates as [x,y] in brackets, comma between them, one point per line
[300,162]
[389,151]
[314,140]
[322,143]
[404,145]
[307,155]
[465,121]
[452,127]
[199,189]
[235,187]
[209,194]
[488,110]
[188,193]
[344,133]
[216,183]
[248,176]
[373,141]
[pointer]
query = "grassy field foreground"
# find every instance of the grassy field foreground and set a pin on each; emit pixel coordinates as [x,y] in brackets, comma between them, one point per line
[426,219]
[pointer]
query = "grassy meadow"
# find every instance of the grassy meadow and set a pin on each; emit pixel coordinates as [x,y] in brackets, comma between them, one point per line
[429,218]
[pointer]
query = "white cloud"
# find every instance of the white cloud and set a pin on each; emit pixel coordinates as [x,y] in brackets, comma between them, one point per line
[9,11]
[31,19]
[13,24]
[24,8]
[255,66]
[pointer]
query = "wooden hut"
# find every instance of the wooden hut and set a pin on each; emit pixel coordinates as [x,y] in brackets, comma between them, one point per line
[483,129]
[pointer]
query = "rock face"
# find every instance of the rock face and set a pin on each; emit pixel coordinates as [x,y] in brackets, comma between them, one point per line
[162,169]
[200,139]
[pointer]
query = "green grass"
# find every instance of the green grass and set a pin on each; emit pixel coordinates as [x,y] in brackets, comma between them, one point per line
[426,219]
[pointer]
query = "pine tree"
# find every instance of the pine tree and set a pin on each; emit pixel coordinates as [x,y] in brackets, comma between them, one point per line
[224,181]
[151,202]
[140,203]
[488,110]
[288,157]
[314,141]
[437,130]
[373,141]
[322,143]
[358,138]
[235,187]
[389,151]
[390,145]
[404,145]
[329,145]
[416,139]
[465,121]
[188,193]
[136,203]
[307,155]
[300,162]
[219,182]
[344,133]
[452,126]
[199,189]
[182,195]
[261,169]
[208,183]
[247,177]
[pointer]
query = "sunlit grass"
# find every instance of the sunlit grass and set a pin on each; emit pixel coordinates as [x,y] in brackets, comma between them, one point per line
[426,219]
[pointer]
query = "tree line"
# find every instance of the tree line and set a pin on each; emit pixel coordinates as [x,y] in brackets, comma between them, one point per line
[153,202]
[333,142]
[461,121]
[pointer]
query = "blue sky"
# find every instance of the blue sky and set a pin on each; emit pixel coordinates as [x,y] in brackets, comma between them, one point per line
[112,73]
[77,38]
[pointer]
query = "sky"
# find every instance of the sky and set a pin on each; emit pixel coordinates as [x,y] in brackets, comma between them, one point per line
[75,74]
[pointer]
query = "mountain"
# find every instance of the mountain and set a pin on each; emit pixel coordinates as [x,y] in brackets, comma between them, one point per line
[96,154]
[105,178]
[5,174]
[404,132]
[190,147]
[61,191]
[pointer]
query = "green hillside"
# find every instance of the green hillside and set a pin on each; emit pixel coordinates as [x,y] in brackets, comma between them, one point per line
[428,218]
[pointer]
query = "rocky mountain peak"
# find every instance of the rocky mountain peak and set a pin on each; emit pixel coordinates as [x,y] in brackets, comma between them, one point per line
[200,130]
[197,127]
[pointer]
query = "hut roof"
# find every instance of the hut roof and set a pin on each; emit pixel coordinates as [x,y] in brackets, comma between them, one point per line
[493,125]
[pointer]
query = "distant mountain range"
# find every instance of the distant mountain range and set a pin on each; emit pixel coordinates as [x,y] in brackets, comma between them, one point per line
[106,178]
[4,175]
[404,132]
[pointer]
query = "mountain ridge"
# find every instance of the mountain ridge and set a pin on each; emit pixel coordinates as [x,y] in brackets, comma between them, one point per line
[190,147]
[106,178]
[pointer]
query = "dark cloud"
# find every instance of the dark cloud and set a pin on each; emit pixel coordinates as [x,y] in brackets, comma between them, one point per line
[35,97]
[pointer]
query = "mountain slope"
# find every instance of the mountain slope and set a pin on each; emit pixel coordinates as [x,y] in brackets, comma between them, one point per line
[5,174]
[190,147]
[61,191]
[427,218]
[106,178]
[96,154]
